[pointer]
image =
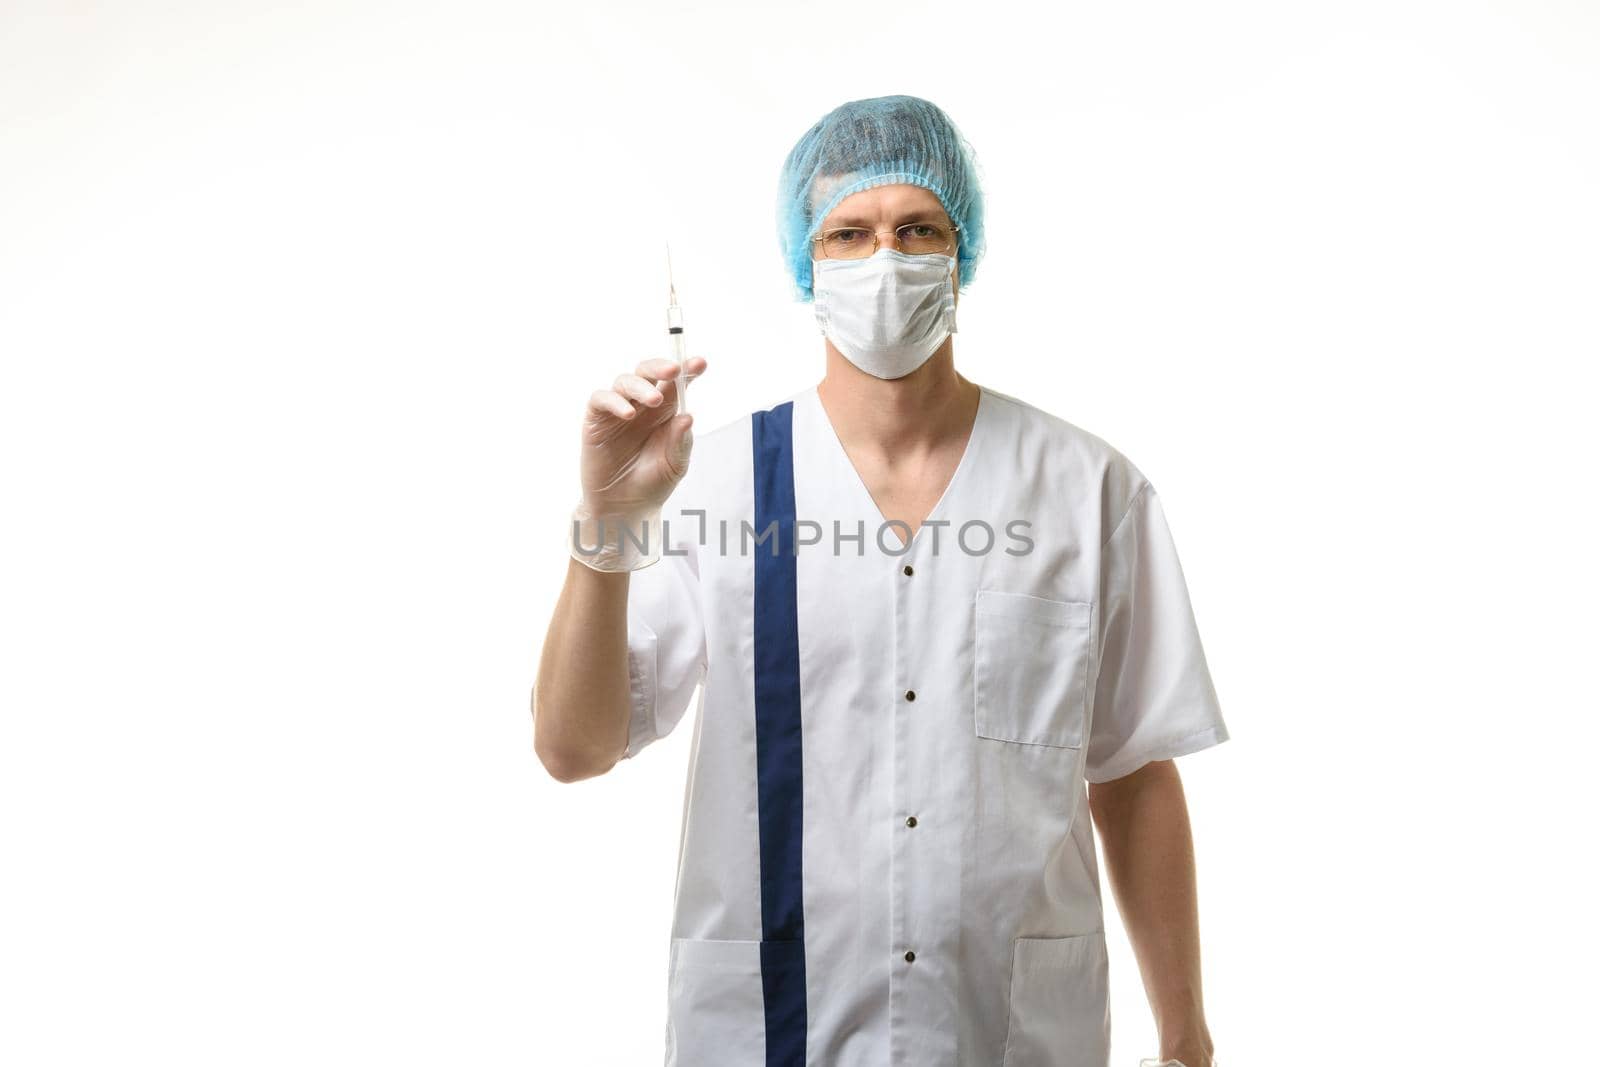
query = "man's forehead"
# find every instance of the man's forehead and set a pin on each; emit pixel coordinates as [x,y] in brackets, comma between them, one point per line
[904,198]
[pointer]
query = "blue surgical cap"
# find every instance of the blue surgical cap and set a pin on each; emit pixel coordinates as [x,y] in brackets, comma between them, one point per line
[885,140]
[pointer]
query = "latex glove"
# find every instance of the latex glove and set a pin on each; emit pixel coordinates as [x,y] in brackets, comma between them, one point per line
[1171,1063]
[635,451]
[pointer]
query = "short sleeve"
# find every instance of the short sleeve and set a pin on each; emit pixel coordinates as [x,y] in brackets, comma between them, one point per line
[666,631]
[1153,695]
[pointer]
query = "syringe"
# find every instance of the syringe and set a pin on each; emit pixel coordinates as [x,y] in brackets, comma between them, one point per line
[675,332]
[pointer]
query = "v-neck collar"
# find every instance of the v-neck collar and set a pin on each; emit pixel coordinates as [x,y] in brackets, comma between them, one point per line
[850,474]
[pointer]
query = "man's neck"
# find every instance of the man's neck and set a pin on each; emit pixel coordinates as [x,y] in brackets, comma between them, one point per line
[899,418]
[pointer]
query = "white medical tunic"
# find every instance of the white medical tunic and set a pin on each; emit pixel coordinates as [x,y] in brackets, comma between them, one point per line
[886,856]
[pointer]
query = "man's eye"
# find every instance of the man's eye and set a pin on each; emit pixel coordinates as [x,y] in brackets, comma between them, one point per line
[847,236]
[918,229]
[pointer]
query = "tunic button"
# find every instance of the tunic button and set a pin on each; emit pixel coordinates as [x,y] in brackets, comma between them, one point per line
[911,694]
[910,956]
[911,820]
[908,570]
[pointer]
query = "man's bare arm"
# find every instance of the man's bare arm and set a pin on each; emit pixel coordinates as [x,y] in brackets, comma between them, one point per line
[580,698]
[1144,830]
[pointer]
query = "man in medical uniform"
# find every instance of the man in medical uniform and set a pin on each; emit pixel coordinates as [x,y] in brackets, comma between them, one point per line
[936,631]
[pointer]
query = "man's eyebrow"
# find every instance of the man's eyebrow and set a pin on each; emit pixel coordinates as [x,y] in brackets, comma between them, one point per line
[916,215]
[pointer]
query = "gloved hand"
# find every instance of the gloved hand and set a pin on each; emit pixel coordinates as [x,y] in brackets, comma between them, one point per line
[1173,1063]
[635,450]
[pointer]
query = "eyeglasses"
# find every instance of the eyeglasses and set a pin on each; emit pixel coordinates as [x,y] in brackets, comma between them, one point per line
[914,239]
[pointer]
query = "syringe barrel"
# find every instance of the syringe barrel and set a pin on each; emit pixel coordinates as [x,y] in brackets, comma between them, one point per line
[680,357]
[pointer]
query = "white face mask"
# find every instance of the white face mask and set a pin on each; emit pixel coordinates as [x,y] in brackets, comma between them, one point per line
[887,313]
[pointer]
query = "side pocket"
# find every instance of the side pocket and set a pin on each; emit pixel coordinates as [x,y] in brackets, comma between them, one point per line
[1060,1015]
[715,1010]
[1031,668]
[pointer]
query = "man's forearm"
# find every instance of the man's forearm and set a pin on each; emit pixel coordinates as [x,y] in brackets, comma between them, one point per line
[1144,830]
[580,698]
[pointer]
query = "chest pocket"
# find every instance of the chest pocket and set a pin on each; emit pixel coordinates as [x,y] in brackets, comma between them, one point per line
[1031,668]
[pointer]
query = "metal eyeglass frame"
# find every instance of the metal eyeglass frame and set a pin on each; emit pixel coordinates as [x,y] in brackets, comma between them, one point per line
[955,239]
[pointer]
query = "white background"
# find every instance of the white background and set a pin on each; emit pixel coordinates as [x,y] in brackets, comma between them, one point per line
[299,307]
